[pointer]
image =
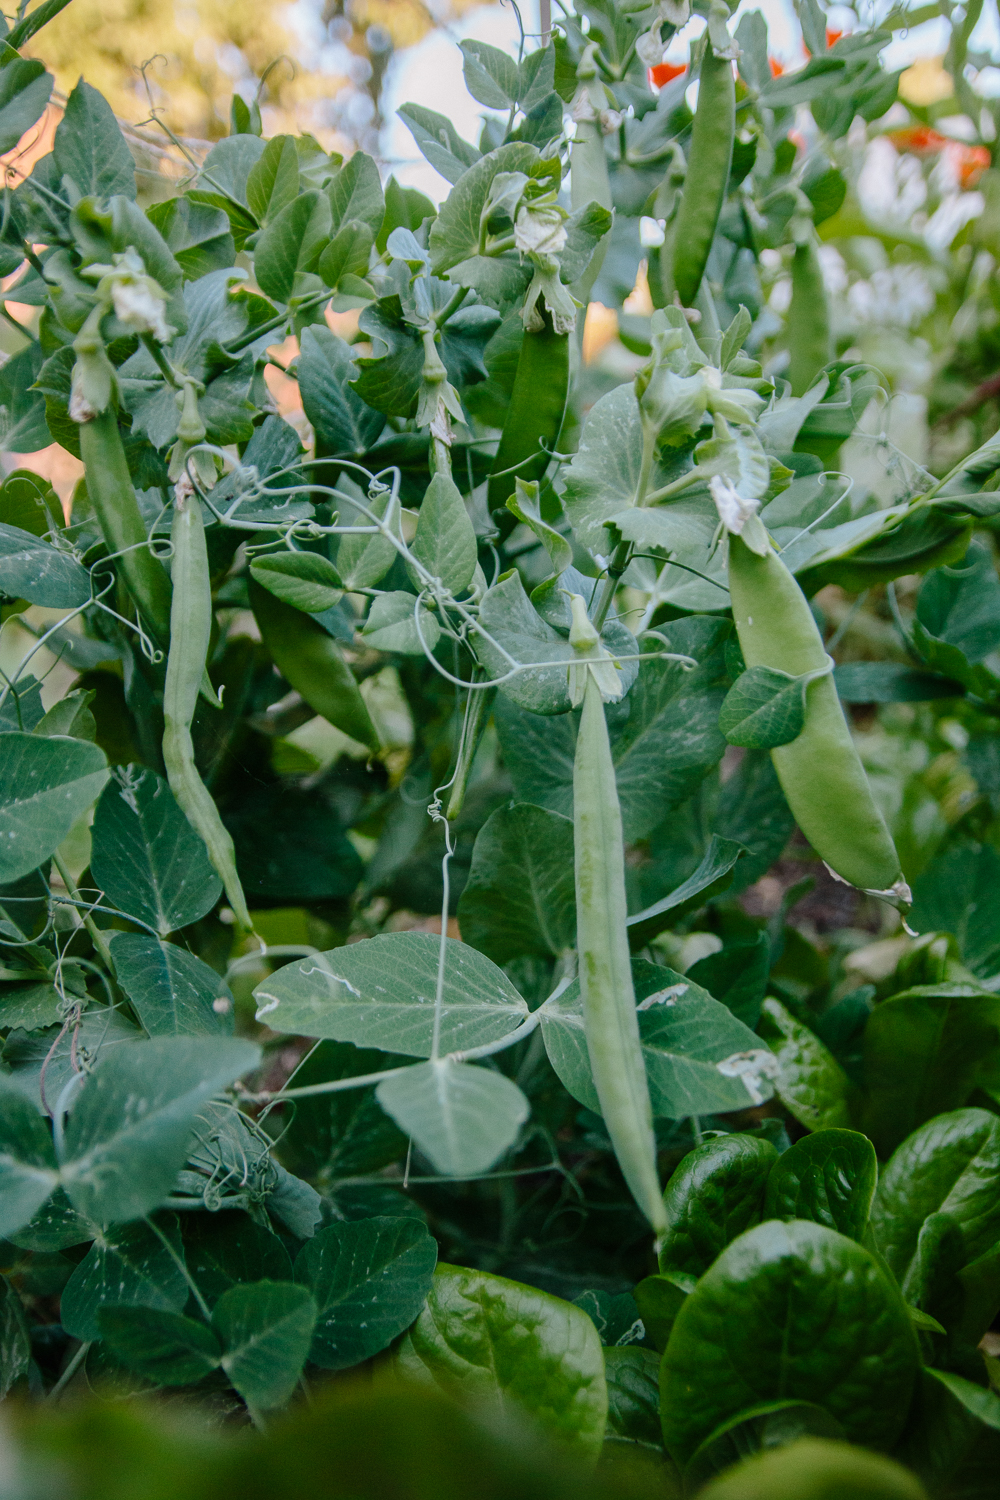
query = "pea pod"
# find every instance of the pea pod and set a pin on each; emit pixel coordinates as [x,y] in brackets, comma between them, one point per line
[590,181]
[109,486]
[820,771]
[611,1023]
[190,633]
[709,160]
[809,339]
[311,661]
[534,417]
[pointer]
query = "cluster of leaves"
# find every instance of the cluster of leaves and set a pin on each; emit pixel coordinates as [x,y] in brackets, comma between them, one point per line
[192,1200]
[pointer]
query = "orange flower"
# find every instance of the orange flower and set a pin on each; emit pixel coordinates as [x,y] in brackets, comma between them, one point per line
[832,36]
[971,162]
[665,71]
[920,139]
[776,67]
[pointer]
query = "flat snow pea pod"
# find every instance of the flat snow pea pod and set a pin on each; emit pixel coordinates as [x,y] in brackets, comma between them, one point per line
[809,340]
[610,1020]
[709,161]
[109,486]
[190,634]
[311,661]
[820,771]
[534,417]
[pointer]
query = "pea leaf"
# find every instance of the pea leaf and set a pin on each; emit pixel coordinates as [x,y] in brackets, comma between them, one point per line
[391,625]
[454,234]
[145,855]
[829,1178]
[764,708]
[128,1266]
[369,1280]
[226,1248]
[809,1314]
[437,138]
[343,423]
[344,1133]
[163,1346]
[461,1117]
[503,1343]
[265,1328]
[982,1404]
[15,1340]
[491,76]
[306,580]
[23,420]
[520,896]
[445,542]
[381,993]
[810,1082]
[356,193]
[197,234]
[292,244]
[90,149]
[713,875]
[27,1162]
[172,991]
[32,569]
[133,1120]
[24,92]
[738,976]
[45,785]
[716,1193]
[273,181]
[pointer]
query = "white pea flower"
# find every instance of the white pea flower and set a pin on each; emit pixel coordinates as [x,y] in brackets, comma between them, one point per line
[540,230]
[649,47]
[734,511]
[139,301]
[592,658]
[675,12]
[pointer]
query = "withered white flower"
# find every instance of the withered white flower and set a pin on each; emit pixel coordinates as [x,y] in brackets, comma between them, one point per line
[734,511]
[540,230]
[592,658]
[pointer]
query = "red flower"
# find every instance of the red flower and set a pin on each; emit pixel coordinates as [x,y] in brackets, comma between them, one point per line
[920,139]
[971,162]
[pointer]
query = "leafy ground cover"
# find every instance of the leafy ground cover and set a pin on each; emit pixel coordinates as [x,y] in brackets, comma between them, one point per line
[498,875]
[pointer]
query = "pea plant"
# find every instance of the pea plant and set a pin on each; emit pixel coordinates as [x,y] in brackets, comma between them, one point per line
[384,795]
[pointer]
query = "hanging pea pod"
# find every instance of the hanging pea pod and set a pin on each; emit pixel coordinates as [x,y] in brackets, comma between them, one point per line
[190,634]
[809,339]
[820,771]
[709,160]
[310,659]
[590,181]
[534,417]
[611,1023]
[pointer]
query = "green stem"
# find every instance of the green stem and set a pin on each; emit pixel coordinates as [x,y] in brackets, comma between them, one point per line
[181,1265]
[477,713]
[453,304]
[616,568]
[97,937]
[68,1373]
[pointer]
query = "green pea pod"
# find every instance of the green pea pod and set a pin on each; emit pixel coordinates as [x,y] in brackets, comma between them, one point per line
[709,160]
[611,1023]
[820,771]
[311,661]
[109,486]
[535,416]
[809,340]
[190,634]
[590,181]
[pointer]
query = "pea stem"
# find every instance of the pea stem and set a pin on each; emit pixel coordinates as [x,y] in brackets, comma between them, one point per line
[97,937]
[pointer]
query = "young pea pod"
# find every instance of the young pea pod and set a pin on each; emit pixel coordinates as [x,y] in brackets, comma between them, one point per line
[709,160]
[109,486]
[820,771]
[809,340]
[610,1020]
[534,417]
[190,633]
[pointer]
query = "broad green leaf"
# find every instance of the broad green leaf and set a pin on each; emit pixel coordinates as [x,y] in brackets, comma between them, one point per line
[440,143]
[381,993]
[306,580]
[520,897]
[341,420]
[356,193]
[369,1280]
[30,1006]
[491,76]
[454,234]
[789,1311]
[24,92]
[90,149]
[981,1403]
[738,976]
[392,625]
[891,682]
[265,1329]
[810,1082]
[15,1340]
[197,235]
[132,1122]
[344,262]
[699,1058]
[164,1346]
[828,1177]
[127,1266]
[340,1134]
[27,1161]
[773,1424]
[713,875]
[45,785]
[524,504]
[102,1029]
[445,543]
[364,559]
[224,1249]
[70,716]
[23,424]
[172,991]
[924,1052]
[764,708]
[716,1193]
[961,604]
[273,180]
[32,569]
[633,1379]
[815,1469]
[951,1165]
[492,1340]
[291,244]
[145,855]
[29,502]
[659,1301]
[463,1118]
[959,892]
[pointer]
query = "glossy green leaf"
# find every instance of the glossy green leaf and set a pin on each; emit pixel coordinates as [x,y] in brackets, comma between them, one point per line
[445,543]
[306,580]
[265,1329]
[633,1378]
[981,1403]
[520,896]
[716,1193]
[485,1337]
[34,570]
[382,994]
[789,1311]
[828,1177]
[163,1346]
[45,785]
[127,1266]
[463,1118]
[145,855]
[132,1122]
[27,1161]
[172,991]
[810,1082]
[659,1302]
[369,1280]
[774,1424]
[197,235]
[764,708]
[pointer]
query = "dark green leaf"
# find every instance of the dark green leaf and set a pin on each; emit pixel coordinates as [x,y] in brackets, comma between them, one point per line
[226,1248]
[46,785]
[810,1082]
[774,1424]
[128,1266]
[829,1178]
[445,543]
[342,421]
[764,708]
[32,569]
[356,193]
[716,1193]
[172,991]
[265,1329]
[292,244]
[197,234]
[344,1133]
[314,860]
[891,682]
[164,1346]
[24,92]
[306,580]
[27,1163]
[738,976]
[520,896]
[713,875]
[633,1377]
[15,1341]
[463,1118]
[959,892]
